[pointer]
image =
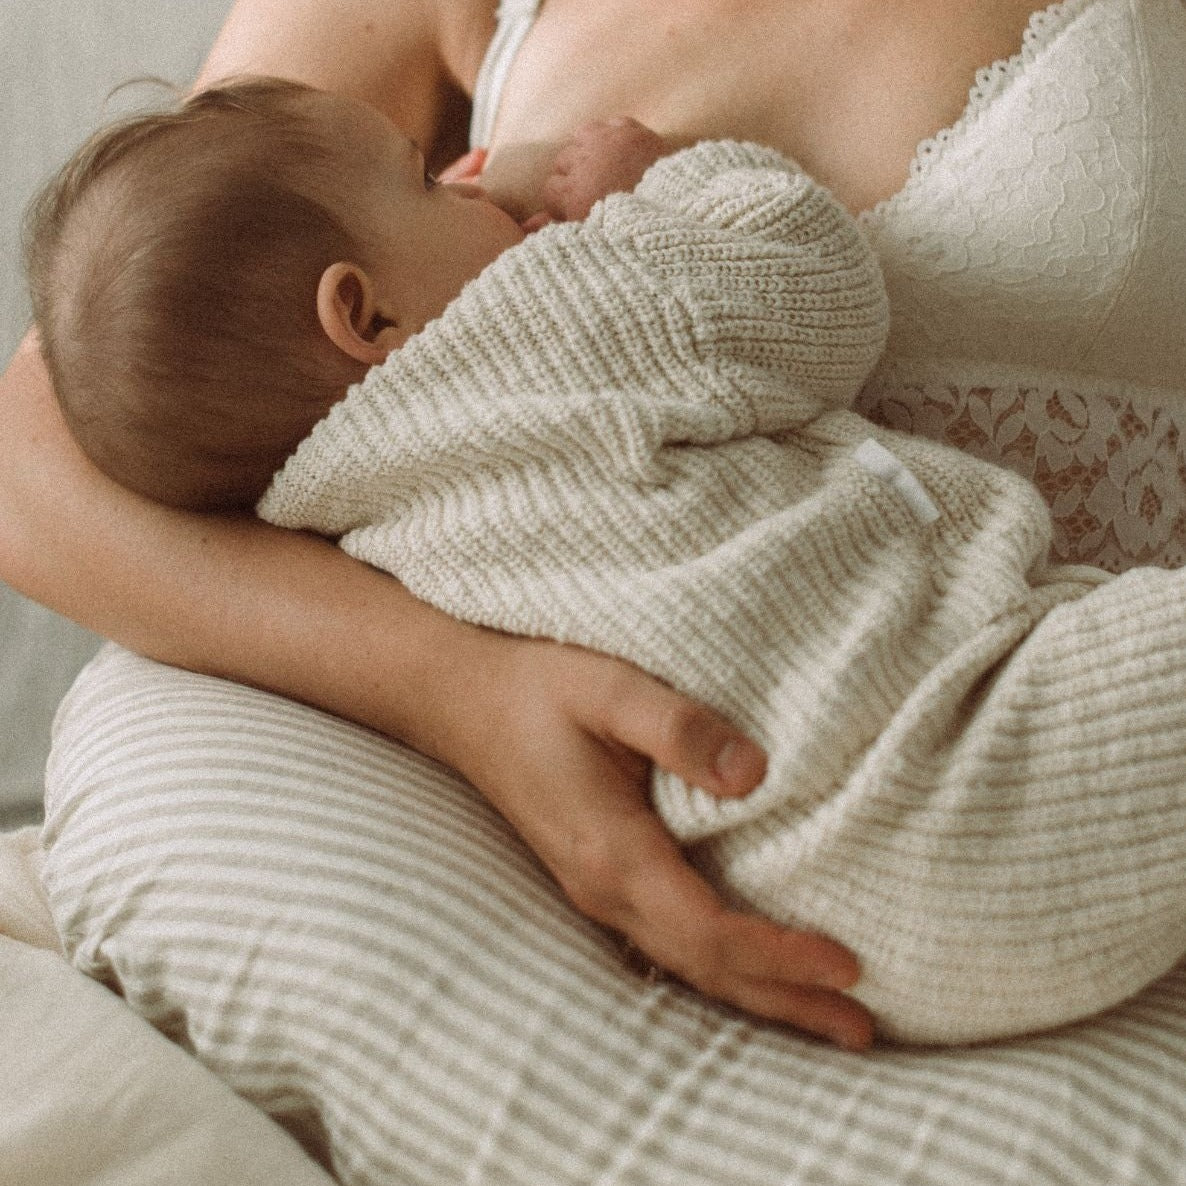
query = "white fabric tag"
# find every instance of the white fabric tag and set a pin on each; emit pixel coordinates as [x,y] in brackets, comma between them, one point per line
[878,460]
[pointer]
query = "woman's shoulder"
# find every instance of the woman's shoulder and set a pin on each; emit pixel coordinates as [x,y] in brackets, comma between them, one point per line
[848,89]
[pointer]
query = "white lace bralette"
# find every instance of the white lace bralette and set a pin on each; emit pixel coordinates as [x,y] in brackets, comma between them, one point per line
[1036,265]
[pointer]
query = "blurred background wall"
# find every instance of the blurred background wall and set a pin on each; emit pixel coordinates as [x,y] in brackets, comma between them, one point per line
[59,62]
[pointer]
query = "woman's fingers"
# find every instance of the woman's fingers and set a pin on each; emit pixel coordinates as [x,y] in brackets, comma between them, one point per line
[680,736]
[578,733]
[638,882]
[829,1015]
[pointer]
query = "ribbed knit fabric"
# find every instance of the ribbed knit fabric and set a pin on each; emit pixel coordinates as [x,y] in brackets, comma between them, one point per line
[633,434]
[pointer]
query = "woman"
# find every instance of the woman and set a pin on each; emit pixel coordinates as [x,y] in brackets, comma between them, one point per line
[849,90]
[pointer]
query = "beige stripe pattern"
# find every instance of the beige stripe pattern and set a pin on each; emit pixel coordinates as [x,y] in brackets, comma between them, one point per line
[348,936]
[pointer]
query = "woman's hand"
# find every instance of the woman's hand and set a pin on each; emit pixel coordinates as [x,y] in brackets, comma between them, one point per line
[564,753]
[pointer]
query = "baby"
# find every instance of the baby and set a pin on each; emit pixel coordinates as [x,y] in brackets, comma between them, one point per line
[235,264]
[633,433]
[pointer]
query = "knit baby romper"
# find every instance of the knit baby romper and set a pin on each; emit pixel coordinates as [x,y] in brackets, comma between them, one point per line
[634,434]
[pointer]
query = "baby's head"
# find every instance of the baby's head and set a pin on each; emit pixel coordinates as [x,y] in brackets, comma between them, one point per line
[209,280]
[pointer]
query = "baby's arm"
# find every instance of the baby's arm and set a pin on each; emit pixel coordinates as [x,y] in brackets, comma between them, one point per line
[773,272]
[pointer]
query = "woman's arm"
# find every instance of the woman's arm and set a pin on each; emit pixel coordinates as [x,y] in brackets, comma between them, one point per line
[558,739]
[575,731]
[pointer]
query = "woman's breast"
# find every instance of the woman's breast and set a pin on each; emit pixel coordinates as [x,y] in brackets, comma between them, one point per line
[847,88]
[1047,227]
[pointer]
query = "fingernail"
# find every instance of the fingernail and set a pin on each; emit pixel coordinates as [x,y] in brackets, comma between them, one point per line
[740,762]
[843,975]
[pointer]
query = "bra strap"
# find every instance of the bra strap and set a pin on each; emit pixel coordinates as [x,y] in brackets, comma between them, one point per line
[514,21]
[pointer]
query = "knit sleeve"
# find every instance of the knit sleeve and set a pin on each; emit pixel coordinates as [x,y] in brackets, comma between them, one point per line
[783,288]
[725,182]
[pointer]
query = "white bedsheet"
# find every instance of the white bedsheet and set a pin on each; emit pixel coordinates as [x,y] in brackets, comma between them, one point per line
[24,911]
[90,1094]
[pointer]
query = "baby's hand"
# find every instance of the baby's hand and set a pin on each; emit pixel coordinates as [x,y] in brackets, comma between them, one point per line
[600,158]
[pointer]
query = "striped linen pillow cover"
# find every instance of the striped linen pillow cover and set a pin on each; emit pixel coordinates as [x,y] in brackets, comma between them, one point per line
[346,934]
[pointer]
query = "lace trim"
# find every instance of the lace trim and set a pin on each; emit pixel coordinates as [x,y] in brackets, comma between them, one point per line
[1042,27]
[1111,463]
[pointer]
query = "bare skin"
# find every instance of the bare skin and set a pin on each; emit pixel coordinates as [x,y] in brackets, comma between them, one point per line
[847,87]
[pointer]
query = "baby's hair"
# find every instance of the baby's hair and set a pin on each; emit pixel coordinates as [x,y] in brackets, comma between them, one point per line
[173,268]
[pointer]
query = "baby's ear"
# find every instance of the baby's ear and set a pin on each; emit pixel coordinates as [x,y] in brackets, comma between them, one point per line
[352,316]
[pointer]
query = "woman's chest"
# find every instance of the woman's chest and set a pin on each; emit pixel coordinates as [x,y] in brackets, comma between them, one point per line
[846,87]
